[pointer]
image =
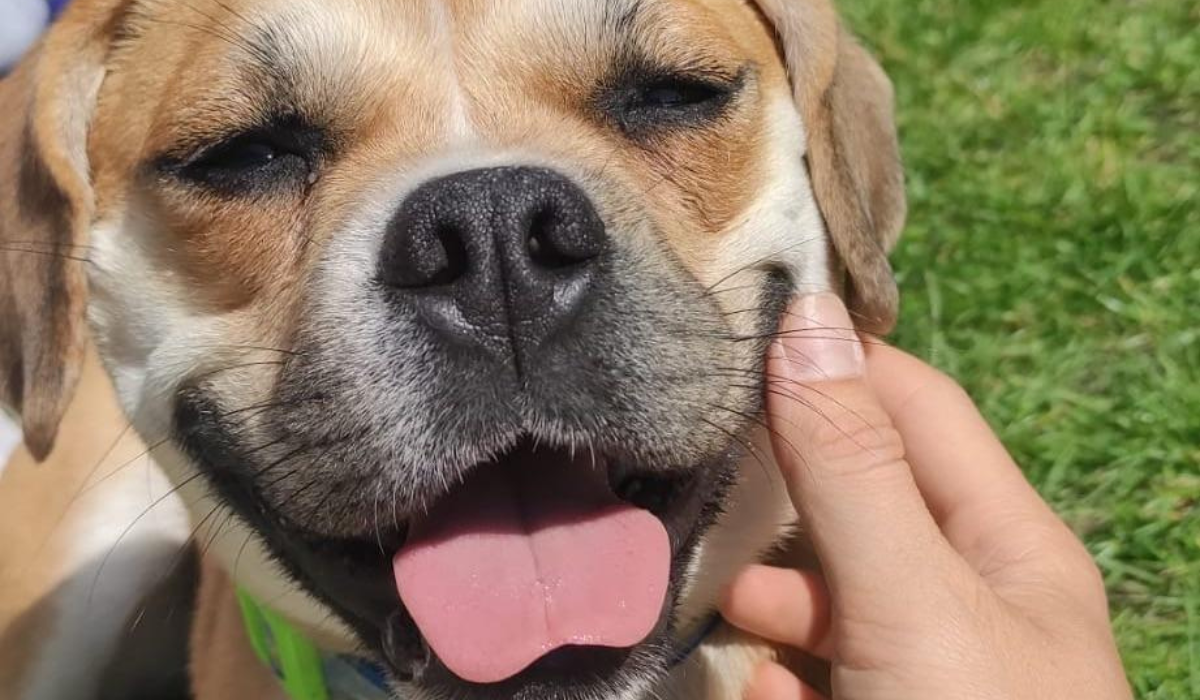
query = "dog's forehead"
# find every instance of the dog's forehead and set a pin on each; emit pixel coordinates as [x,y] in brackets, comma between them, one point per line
[540,25]
[408,71]
[365,45]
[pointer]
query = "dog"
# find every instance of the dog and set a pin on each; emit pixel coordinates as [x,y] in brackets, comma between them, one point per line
[452,314]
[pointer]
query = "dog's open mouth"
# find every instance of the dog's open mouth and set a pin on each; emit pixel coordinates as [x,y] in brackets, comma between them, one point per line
[534,552]
[542,567]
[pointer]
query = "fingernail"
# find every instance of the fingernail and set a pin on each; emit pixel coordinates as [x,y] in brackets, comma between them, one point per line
[819,341]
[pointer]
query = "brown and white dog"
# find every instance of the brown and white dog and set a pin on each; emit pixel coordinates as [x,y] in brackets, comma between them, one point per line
[452,313]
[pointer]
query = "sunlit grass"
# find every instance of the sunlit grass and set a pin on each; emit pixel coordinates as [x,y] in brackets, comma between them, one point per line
[1052,264]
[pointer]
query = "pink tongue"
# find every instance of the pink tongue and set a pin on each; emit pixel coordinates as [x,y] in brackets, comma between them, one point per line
[528,556]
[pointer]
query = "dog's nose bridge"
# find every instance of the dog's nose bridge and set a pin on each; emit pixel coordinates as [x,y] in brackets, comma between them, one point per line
[497,258]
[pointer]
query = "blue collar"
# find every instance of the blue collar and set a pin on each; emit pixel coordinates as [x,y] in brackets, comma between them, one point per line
[701,635]
[307,673]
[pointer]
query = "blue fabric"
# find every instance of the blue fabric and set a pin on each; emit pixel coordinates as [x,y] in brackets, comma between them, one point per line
[21,23]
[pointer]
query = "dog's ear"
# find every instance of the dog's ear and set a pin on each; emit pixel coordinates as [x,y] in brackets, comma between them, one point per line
[853,155]
[46,207]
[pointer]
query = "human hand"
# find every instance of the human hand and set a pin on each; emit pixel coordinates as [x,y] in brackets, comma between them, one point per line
[945,575]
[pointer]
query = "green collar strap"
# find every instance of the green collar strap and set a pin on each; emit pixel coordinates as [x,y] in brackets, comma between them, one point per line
[305,672]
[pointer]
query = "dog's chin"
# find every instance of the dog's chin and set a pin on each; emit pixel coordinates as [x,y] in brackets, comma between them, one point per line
[356,576]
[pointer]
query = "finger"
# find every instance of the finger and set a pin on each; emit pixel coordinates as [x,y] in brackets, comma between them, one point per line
[844,464]
[781,605]
[774,682]
[974,489]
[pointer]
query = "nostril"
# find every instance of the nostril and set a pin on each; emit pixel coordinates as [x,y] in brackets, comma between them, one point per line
[551,241]
[454,258]
[413,259]
[543,249]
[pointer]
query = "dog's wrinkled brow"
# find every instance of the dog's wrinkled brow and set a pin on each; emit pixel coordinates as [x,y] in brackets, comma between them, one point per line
[621,16]
[265,48]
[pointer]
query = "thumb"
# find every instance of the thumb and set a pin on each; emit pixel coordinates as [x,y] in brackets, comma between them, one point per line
[844,462]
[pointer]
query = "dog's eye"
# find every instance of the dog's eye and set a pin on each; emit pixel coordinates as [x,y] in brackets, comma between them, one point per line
[248,163]
[252,162]
[240,156]
[676,94]
[645,104]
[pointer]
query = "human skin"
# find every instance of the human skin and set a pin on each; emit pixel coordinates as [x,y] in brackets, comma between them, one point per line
[943,573]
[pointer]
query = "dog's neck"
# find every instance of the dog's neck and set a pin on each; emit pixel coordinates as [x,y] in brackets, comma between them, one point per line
[309,672]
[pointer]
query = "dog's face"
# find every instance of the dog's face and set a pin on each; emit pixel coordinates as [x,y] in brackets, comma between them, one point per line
[455,310]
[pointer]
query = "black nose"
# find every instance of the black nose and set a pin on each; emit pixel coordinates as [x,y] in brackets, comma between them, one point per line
[499,258]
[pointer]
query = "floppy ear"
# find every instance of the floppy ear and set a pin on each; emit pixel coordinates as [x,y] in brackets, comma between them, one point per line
[46,210]
[853,156]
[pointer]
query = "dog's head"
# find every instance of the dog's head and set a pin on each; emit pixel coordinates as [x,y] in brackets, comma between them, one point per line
[454,311]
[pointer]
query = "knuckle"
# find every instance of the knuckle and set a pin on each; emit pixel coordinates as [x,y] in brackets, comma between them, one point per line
[938,387]
[1069,573]
[945,383]
[1068,562]
[860,441]
[1088,580]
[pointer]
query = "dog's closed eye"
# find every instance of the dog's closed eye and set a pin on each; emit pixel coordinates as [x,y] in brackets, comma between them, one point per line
[677,93]
[283,154]
[244,154]
[645,103]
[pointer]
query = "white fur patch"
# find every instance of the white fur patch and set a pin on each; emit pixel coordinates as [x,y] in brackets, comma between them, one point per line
[459,118]
[783,227]
[119,538]
[150,336]
[10,437]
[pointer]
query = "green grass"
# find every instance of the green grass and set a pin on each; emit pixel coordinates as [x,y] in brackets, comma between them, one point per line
[1052,264]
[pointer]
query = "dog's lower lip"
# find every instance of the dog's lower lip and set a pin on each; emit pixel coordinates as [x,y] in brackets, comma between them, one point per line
[404,648]
[364,550]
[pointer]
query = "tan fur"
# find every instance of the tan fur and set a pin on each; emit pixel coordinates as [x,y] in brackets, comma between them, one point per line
[18,626]
[223,665]
[45,508]
[43,217]
[119,84]
[854,157]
